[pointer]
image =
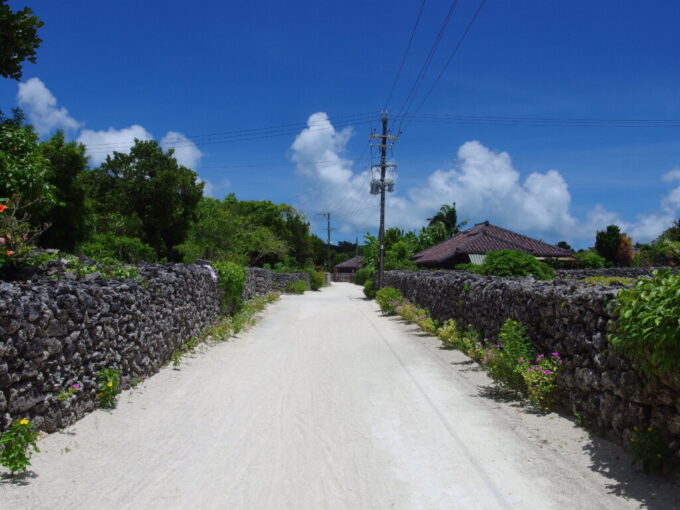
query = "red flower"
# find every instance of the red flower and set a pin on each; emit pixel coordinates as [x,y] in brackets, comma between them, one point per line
[3,207]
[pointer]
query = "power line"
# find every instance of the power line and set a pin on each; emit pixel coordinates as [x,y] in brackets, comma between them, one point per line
[268,129]
[403,59]
[448,61]
[93,149]
[546,121]
[433,49]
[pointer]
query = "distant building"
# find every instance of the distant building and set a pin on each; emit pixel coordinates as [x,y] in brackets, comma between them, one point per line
[344,271]
[473,244]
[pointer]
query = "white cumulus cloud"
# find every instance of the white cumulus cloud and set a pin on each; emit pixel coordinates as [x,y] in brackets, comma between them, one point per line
[103,143]
[483,183]
[41,106]
[186,153]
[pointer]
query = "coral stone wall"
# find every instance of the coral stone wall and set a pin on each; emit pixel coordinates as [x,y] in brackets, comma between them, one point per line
[568,317]
[262,281]
[56,333]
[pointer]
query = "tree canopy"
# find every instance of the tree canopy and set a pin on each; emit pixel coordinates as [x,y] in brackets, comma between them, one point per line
[18,39]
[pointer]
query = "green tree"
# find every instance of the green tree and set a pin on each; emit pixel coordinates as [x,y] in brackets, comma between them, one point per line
[24,169]
[18,39]
[564,245]
[148,193]
[607,243]
[67,216]
[447,216]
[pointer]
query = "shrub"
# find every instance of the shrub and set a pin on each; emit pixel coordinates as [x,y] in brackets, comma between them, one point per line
[515,263]
[125,249]
[649,449]
[231,278]
[109,382]
[388,298]
[363,275]
[448,333]
[590,260]
[317,279]
[539,379]
[369,289]
[505,360]
[296,287]
[647,327]
[428,325]
[16,443]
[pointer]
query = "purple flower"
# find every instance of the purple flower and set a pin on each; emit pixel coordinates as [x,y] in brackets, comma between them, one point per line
[536,367]
[556,354]
[521,360]
[76,386]
[540,356]
[546,372]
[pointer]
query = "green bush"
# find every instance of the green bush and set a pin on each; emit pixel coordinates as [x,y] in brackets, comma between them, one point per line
[506,360]
[231,278]
[316,279]
[388,298]
[515,263]
[125,249]
[647,328]
[363,275]
[296,287]
[369,289]
[590,260]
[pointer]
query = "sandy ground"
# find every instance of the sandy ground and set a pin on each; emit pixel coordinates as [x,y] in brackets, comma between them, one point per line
[325,404]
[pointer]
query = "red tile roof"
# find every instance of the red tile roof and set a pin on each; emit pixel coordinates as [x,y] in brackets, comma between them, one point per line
[353,263]
[483,238]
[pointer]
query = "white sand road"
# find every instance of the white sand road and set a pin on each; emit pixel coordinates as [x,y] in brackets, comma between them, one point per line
[325,404]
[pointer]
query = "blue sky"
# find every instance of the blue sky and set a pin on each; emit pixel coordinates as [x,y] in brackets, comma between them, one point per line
[108,71]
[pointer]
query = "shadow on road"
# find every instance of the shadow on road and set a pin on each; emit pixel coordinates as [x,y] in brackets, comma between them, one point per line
[20,479]
[654,492]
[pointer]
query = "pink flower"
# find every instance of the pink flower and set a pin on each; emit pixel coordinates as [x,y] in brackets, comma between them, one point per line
[76,386]
[556,354]
[546,372]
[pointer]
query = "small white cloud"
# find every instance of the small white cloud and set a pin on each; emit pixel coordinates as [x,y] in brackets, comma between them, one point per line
[41,106]
[213,190]
[186,152]
[673,175]
[103,143]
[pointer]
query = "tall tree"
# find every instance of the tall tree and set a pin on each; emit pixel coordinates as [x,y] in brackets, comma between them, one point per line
[447,216]
[67,216]
[24,169]
[18,39]
[607,243]
[154,195]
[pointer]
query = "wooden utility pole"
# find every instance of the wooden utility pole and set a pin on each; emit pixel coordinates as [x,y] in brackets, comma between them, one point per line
[382,185]
[328,237]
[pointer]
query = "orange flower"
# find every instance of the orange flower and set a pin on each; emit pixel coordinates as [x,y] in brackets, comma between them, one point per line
[3,207]
[9,253]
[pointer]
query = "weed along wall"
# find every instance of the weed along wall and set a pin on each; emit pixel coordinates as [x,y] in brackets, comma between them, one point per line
[573,318]
[54,334]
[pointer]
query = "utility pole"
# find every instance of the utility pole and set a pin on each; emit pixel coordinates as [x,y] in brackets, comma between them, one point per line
[328,242]
[382,185]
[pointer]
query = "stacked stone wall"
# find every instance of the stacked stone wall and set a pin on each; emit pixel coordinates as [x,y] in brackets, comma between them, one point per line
[263,281]
[565,316]
[56,331]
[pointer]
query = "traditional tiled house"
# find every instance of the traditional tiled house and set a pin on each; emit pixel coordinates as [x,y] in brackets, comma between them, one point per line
[344,271]
[472,245]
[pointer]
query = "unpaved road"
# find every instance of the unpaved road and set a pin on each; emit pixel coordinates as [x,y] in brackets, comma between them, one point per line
[327,405]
